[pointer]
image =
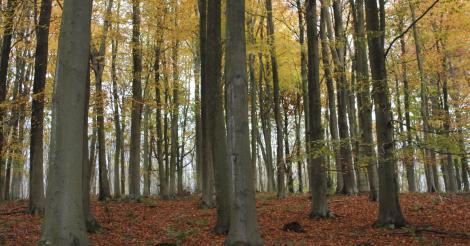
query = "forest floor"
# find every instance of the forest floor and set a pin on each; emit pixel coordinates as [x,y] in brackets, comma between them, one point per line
[435,219]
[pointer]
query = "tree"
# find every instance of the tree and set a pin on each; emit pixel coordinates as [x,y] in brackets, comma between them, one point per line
[367,155]
[318,190]
[390,214]
[64,219]
[4,58]
[243,224]
[215,117]
[281,164]
[36,183]
[97,58]
[136,117]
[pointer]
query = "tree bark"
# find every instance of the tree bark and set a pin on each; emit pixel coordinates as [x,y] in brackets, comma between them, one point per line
[64,218]
[117,121]
[316,161]
[134,162]
[215,117]
[243,224]
[36,183]
[4,59]
[367,155]
[390,214]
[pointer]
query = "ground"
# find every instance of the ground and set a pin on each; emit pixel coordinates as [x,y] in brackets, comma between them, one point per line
[435,219]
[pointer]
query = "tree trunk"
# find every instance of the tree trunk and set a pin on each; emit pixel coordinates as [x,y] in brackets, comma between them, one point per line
[4,59]
[159,104]
[88,164]
[36,181]
[243,223]
[281,165]
[147,156]
[339,59]
[409,154]
[318,189]
[367,155]
[174,122]
[303,74]
[389,206]
[215,117]
[117,123]
[332,119]
[64,219]
[424,105]
[265,109]
[134,162]
[207,177]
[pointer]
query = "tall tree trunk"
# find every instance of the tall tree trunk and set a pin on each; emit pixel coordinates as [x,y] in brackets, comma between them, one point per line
[339,59]
[265,109]
[367,155]
[174,121]
[424,106]
[215,117]
[409,156]
[253,89]
[159,104]
[98,67]
[281,165]
[134,162]
[303,74]
[64,222]
[147,156]
[243,224]
[389,206]
[36,181]
[88,163]
[123,152]
[4,59]
[332,119]
[298,149]
[207,177]
[290,178]
[318,189]
[117,122]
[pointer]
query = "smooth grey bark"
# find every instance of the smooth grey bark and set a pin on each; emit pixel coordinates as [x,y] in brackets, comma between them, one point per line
[316,161]
[207,168]
[243,223]
[390,214]
[367,155]
[281,164]
[64,222]
[332,119]
[36,171]
[215,116]
[339,58]
[134,156]
[123,150]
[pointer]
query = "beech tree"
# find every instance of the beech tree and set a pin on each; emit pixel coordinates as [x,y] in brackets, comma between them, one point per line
[64,222]
[243,224]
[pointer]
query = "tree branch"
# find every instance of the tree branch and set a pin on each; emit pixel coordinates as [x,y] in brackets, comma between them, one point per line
[409,27]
